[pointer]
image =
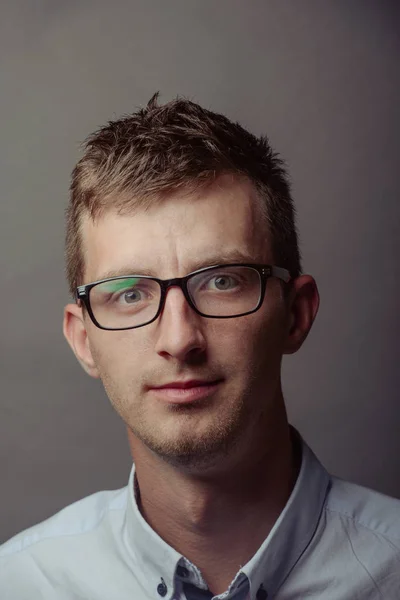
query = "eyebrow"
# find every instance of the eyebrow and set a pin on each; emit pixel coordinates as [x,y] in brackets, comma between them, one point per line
[217,259]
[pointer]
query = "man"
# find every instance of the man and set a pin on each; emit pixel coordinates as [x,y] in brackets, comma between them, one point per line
[183,259]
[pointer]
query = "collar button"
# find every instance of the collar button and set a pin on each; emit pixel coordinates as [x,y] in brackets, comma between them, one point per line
[162,588]
[261,593]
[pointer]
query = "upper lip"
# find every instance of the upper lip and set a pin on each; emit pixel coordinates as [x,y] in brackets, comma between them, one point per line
[185,384]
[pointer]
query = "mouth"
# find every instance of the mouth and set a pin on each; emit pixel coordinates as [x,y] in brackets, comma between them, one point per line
[178,393]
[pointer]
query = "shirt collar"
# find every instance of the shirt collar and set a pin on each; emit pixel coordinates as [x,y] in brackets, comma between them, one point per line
[294,527]
[156,562]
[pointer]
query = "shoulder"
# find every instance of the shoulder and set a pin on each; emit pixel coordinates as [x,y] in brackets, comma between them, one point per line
[369,512]
[80,517]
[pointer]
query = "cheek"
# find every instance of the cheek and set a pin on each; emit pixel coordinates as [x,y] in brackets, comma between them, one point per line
[237,345]
[258,342]
[116,354]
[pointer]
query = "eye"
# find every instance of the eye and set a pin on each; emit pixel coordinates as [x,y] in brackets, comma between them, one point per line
[130,296]
[137,294]
[232,280]
[223,282]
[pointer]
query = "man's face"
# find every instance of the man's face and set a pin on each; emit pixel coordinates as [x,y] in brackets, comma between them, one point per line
[169,240]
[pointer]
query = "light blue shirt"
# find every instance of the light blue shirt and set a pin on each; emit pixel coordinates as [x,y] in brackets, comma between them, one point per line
[334,540]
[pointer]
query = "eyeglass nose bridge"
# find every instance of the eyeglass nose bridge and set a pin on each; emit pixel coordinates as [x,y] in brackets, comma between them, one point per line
[180,282]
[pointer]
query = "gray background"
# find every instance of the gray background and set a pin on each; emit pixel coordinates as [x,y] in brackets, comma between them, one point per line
[322,79]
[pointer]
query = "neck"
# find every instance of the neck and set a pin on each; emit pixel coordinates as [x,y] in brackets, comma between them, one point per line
[203,519]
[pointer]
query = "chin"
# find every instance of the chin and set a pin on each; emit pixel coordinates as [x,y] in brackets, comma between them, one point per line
[191,449]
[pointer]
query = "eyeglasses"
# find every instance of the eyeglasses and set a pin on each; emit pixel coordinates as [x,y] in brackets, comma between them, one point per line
[216,292]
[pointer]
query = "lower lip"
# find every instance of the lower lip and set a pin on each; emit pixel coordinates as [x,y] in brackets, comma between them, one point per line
[185,395]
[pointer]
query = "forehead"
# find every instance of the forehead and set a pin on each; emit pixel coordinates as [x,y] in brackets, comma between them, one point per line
[179,233]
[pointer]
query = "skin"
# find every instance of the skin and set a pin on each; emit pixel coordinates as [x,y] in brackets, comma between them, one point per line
[222,470]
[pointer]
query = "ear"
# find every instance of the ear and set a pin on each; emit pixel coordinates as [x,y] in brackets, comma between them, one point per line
[303,307]
[74,330]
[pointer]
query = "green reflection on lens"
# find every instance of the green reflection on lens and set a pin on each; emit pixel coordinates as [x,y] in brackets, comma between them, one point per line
[119,284]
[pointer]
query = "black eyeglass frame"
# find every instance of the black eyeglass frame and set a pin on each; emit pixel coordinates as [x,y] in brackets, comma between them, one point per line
[82,293]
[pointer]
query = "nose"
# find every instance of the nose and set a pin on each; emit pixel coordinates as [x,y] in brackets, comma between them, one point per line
[179,328]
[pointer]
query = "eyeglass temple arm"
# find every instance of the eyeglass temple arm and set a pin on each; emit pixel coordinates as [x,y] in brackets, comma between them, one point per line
[281,273]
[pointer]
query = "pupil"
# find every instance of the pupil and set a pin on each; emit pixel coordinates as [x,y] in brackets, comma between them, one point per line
[129,296]
[222,279]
